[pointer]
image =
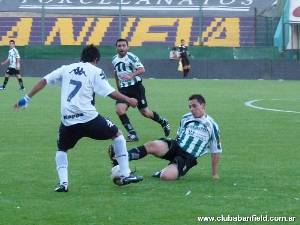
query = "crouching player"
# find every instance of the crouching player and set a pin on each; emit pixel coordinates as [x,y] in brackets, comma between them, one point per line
[197,135]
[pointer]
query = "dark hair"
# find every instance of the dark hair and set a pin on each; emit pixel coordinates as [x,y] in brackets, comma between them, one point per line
[198,97]
[12,41]
[173,48]
[89,54]
[121,39]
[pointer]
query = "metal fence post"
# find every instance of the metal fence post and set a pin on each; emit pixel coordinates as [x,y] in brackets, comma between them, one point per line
[255,26]
[120,19]
[43,22]
[200,22]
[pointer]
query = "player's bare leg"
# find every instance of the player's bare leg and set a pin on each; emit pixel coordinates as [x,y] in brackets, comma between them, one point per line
[169,173]
[146,112]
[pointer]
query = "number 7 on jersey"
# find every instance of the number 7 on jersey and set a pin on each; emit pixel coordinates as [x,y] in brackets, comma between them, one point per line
[77,85]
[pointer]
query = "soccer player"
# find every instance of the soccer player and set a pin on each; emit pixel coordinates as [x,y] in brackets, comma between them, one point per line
[183,52]
[14,66]
[174,54]
[79,118]
[197,135]
[128,70]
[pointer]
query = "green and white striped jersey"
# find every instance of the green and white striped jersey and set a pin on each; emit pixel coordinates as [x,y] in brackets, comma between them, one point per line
[198,136]
[13,55]
[126,65]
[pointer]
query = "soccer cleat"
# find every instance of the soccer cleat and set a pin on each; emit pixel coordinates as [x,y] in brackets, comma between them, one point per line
[156,174]
[132,138]
[22,89]
[132,178]
[166,127]
[61,188]
[111,155]
[2,88]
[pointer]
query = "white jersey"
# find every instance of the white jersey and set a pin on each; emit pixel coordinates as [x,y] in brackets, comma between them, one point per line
[199,136]
[13,55]
[126,65]
[79,82]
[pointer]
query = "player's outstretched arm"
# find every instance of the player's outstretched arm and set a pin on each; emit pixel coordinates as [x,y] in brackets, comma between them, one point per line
[4,62]
[215,157]
[117,81]
[18,63]
[24,101]
[118,96]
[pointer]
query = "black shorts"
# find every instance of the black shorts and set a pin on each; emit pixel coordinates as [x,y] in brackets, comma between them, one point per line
[185,61]
[135,91]
[98,129]
[176,155]
[12,71]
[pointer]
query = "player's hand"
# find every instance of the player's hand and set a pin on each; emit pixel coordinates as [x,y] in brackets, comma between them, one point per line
[132,102]
[126,77]
[22,103]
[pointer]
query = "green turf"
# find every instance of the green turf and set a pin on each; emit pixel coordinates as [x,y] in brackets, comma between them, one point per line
[259,167]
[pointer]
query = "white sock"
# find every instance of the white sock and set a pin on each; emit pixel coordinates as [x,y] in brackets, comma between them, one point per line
[61,159]
[121,153]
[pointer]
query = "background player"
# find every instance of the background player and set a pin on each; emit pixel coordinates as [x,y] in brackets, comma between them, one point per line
[183,52]
[14,66]
[128,70]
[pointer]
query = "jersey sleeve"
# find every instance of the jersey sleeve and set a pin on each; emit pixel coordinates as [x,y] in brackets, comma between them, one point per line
[17,54]
[101,85]
[113,63]
[136,62]
[181,127]
[55,77]
[215,144]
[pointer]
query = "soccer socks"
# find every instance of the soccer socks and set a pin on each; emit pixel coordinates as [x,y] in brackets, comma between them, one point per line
[121,155]
[163,122]
[157,118]
[137,153]
[61,159]
[5,81]
[126,123]
[21,83]
[19,80]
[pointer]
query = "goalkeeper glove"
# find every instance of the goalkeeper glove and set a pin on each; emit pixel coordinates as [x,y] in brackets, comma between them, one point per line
[23,102]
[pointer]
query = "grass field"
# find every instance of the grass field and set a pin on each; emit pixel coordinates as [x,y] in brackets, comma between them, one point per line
[259,167]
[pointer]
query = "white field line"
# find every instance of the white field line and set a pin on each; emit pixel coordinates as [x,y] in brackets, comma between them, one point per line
[251,105]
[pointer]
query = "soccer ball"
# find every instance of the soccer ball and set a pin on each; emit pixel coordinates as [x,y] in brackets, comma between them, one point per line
[116,175]
[115,172]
